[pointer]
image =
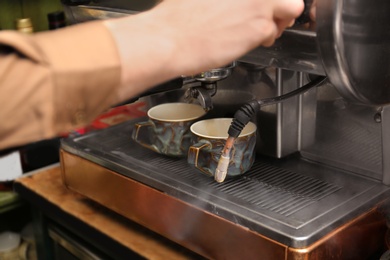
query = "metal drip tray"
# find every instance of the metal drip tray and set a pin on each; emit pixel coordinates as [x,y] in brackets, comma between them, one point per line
[292,201]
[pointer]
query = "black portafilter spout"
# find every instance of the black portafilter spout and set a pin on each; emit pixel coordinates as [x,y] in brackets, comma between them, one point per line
[245,114]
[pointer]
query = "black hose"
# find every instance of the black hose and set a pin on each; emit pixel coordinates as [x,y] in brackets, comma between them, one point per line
[242,117]
[247,111]
[314,83]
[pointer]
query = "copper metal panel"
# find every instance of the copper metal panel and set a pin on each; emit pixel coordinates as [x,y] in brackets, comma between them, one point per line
[361,238]
[292,201]
[209,234]
[192,227]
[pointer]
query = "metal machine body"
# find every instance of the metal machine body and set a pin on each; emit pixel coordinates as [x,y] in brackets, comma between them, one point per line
[320,183]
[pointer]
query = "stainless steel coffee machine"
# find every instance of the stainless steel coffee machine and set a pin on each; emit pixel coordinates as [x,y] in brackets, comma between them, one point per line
[320,183]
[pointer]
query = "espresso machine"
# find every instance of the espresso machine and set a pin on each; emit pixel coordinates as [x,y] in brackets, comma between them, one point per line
[319,186]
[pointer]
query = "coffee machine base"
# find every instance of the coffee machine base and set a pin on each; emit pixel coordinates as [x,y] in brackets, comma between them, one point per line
[288,208]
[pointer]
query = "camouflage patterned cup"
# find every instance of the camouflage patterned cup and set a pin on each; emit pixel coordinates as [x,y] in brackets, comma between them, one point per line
[210,138]
[168,129]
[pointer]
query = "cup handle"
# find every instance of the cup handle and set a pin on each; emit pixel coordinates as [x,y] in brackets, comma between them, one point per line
[193,155]
[137,132]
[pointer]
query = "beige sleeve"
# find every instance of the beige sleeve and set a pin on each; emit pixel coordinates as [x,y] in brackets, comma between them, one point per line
[52,82]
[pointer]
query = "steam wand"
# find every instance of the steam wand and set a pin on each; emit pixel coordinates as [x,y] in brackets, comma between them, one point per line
[244,115]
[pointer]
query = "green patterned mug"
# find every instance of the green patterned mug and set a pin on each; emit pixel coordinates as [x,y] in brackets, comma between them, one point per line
[168,129]
[209,139]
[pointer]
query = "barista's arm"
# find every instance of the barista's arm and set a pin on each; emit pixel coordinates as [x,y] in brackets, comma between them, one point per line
[55,81]
[187,37]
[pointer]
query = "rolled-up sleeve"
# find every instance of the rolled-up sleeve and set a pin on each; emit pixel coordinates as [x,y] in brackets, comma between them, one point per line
[52,82]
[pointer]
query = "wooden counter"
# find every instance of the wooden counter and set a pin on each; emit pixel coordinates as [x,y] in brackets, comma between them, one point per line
[44,190]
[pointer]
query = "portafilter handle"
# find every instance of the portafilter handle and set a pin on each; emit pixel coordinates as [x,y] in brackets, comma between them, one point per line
[208,86]
[213,75]
[173,84]
[202,93]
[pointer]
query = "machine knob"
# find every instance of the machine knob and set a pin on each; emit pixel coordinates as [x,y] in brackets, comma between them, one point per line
[305,16]
[75,2]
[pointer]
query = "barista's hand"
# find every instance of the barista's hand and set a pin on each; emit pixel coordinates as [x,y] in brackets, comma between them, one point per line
[184,37]
[313,10]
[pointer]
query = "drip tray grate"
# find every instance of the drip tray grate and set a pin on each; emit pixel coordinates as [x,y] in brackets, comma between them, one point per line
[283,199]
